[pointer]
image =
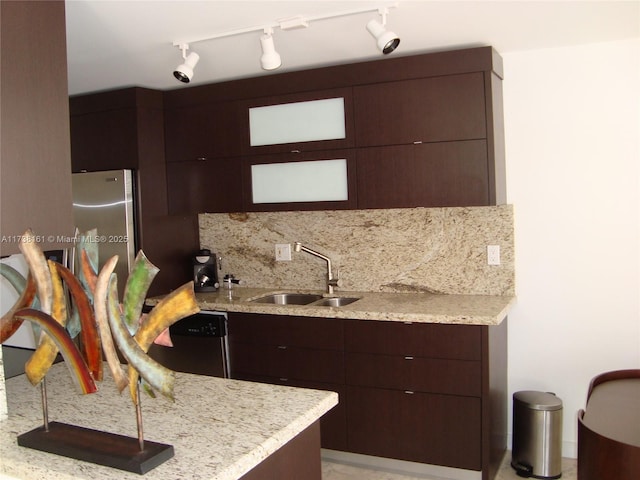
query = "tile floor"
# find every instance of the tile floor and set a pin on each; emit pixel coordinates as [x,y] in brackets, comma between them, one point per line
[339,471]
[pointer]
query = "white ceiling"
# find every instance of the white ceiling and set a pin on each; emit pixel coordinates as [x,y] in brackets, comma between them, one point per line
[115,44]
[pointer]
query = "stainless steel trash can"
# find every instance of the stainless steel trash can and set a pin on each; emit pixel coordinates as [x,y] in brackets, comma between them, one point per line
[537,434]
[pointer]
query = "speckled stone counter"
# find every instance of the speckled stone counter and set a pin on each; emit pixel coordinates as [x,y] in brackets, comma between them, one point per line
[400,307]
[220,429]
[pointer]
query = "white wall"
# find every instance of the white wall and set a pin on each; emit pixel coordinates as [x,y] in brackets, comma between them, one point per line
[572,121]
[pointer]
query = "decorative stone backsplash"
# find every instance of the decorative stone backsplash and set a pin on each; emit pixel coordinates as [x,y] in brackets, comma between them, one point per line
[439,250]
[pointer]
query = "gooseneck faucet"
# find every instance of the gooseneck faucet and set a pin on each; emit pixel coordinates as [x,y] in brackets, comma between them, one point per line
[331,282]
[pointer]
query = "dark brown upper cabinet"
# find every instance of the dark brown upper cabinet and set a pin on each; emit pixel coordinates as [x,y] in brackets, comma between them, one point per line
[306,125]
[438,109]
[208,185]
[125,129]
[451,174]
[104,140]
[108,129]
[319,180]
[205,132]
[419,131]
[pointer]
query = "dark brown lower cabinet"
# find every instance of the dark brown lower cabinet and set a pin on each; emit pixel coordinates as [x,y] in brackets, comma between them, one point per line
[290,362]
[428,393]
[415,426]
[298,458]
[333,423]
[452,377]
[302,352]
[414,391]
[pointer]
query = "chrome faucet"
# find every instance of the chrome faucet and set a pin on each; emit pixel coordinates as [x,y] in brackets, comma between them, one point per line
[229,280]
[331,282]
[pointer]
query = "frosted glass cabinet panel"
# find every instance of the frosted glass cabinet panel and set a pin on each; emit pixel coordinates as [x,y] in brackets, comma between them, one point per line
[309,121]
[314,181]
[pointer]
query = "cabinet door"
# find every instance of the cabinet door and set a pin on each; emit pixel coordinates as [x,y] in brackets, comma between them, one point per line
[104,140]
[432,109]
[205,186]
[306,119]
[419,427]
[332,188]
[204,131]
[461,342]
[452,174]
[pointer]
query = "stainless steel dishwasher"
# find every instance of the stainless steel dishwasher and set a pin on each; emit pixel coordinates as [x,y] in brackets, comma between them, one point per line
[199,345]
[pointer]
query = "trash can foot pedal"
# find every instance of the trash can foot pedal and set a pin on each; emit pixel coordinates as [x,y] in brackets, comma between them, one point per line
[526,471]
[522,470]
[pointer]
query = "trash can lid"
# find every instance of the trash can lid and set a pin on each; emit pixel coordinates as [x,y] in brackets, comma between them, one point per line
[538,400]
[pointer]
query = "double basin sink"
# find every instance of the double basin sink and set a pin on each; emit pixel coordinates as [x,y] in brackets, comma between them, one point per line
[305,299]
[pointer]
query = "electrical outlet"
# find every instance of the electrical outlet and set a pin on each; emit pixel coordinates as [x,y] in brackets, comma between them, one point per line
[283,252]
[493,254]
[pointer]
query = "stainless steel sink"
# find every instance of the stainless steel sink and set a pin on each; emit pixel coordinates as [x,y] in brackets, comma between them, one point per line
[336,301]
[289,298]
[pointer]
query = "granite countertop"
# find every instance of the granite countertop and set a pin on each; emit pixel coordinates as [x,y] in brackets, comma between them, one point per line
[219,428]
[403,307]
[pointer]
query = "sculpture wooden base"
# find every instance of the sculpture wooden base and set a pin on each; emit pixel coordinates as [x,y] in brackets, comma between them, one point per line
[102,448]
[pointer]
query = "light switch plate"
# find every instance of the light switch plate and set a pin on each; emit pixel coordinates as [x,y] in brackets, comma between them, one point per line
[283,252]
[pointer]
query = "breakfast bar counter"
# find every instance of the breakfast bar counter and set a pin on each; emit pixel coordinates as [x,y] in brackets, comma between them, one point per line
[220,429]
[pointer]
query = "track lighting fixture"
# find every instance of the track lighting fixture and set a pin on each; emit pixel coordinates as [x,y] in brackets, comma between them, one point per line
[270,59]
[386,40]
[184,72]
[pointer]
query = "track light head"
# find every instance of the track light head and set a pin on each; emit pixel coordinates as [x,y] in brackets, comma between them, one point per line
[270,59]
[184,72]
[386,40]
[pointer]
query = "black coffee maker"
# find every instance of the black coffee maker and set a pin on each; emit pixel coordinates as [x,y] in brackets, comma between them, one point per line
[205,271]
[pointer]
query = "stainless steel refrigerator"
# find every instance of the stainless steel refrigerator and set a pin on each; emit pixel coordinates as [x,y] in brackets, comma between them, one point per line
[105,201]
[101,200]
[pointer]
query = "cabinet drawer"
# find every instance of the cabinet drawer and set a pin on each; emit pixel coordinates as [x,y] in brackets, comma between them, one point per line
[322,333]
[287,362]
[451,174]
[455,377]
[432,109]
[433,340]
[333,424]
[420,427]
